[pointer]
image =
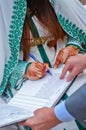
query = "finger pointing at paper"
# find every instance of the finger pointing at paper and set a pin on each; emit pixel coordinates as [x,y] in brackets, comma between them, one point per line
[75,65]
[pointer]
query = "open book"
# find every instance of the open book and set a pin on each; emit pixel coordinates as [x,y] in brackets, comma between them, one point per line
[45,92]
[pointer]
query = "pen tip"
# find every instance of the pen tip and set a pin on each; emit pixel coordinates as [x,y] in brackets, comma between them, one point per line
[48,71]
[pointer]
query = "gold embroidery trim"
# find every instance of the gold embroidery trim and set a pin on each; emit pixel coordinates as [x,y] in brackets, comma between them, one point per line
[40,40]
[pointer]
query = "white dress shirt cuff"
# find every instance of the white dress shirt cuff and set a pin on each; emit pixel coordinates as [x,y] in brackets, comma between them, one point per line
[61,112]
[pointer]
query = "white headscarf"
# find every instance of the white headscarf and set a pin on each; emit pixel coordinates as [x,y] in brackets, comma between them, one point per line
[12,14]
[5,18]
[72,10]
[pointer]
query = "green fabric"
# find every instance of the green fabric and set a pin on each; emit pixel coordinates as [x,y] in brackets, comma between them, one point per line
[40,47]
[27,128]
[7,94]
[64,97]
[76,36]
[18,73]
[15,32]
[80,126]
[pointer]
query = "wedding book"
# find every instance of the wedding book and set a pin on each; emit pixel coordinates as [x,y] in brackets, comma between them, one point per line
[45,92]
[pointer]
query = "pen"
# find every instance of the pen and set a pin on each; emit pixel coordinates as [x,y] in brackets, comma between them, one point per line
[35,59]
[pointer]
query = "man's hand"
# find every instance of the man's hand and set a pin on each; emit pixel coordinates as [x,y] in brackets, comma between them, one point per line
[43,119]
[75,65]
[64,54]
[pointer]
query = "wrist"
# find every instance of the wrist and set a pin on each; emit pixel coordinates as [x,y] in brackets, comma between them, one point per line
[62,113]
[73,48]
[55,120]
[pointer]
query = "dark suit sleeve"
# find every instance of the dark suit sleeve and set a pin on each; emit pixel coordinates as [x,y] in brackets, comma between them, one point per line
[76,105]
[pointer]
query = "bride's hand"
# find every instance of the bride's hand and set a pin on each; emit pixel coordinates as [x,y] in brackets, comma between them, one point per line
[64,54]
[36,70]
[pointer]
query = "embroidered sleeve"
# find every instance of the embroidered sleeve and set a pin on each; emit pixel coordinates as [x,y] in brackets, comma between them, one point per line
[73,42]
[18,73]
[77,37]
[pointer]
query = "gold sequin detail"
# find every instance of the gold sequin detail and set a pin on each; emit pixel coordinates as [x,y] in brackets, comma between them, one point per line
[40,40]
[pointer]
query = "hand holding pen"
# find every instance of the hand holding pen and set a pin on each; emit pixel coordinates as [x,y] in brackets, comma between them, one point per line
[35,59]
[33,71]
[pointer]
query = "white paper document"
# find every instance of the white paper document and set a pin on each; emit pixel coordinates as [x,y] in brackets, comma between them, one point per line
[45,92]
